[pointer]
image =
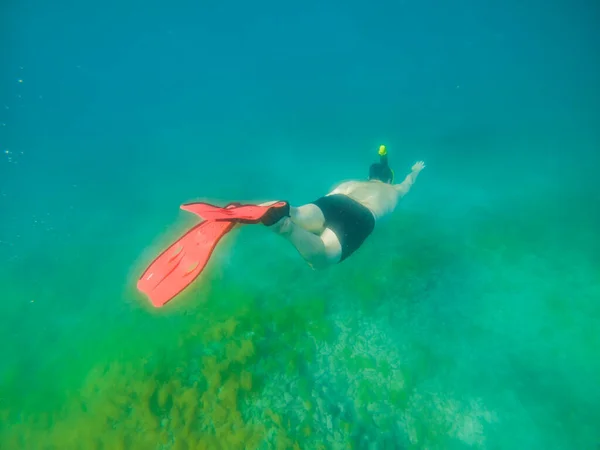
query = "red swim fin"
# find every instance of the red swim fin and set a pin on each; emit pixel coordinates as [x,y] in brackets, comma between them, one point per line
[175,269]
[240,213]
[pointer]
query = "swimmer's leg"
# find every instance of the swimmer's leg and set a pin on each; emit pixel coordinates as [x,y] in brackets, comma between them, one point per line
[301,228]
[310,217]
[318,251]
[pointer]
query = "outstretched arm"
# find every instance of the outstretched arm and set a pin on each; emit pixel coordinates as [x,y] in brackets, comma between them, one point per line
[405,186]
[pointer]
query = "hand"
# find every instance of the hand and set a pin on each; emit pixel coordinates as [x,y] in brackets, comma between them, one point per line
[420,165]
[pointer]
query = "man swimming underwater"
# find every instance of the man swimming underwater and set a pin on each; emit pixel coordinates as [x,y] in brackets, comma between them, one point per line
[333,227]
[325,232]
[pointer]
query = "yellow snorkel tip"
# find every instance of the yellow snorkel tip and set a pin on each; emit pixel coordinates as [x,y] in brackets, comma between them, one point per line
[382,150]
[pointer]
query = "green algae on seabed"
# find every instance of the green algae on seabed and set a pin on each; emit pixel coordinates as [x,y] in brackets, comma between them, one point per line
[235,379]
[306,366]
[164,402]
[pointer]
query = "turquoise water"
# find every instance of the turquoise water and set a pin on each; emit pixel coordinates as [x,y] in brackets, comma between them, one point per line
[468,320]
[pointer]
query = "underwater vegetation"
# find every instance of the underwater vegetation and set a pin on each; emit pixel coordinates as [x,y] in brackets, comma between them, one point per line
[374,356]
[287,378]
[279,370]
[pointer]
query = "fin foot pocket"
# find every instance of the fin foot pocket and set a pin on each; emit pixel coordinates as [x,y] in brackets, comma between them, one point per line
[275,213]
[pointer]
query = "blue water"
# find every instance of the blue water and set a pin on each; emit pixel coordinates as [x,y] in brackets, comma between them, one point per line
[470,320]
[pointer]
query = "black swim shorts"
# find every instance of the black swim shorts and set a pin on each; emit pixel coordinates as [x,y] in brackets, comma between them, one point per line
[351,222]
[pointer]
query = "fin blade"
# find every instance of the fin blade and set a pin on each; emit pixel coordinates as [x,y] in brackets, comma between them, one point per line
[181,263]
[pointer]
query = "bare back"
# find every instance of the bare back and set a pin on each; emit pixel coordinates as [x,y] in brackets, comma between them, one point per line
[380,198]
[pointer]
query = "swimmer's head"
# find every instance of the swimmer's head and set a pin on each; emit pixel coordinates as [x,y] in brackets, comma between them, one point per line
[381,171]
